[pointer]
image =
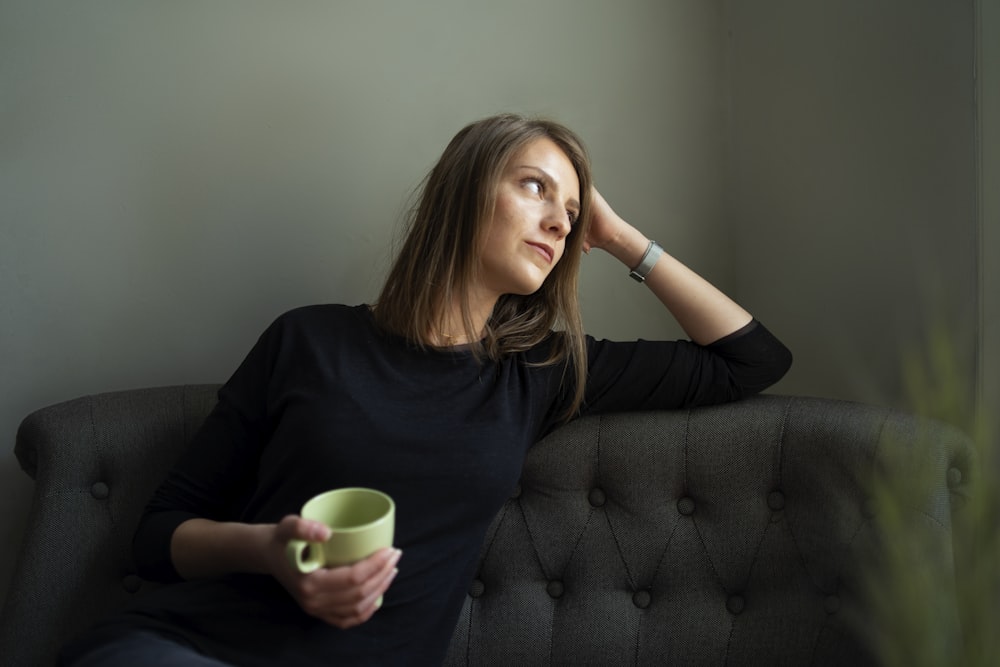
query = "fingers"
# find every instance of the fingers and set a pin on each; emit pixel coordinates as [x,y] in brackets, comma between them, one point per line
[376,565]
[605,224]
[347,596]
[294,527]
[372,590]
[341,596]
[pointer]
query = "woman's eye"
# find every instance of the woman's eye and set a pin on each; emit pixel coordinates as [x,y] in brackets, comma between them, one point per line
[573,217]
[534,186]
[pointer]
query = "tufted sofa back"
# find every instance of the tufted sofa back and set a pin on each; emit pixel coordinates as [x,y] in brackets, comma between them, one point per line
[733,534]
[728,535]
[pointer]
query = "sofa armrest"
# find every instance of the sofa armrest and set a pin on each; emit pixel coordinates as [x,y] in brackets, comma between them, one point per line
[95,461]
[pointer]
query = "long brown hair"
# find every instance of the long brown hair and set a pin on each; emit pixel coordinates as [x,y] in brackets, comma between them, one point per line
[439,258]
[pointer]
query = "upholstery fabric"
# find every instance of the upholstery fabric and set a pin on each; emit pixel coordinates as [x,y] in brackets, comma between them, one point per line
[733,534]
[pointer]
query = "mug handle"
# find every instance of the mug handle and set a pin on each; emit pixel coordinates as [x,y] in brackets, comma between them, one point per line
[312,552]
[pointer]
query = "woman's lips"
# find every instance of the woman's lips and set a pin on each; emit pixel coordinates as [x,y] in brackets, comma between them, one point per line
[544,250]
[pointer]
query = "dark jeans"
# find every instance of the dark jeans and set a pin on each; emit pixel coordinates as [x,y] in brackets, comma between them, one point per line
[138,648]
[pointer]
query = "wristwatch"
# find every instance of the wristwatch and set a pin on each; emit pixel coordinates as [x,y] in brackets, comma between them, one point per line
[647,262]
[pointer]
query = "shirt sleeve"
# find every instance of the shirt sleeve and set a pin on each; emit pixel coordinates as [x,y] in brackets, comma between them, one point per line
[216,475]
[648,375]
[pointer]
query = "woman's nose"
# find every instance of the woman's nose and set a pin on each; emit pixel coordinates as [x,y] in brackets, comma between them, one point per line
[557,220]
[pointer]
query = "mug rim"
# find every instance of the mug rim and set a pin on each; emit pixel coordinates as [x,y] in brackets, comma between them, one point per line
[386,515]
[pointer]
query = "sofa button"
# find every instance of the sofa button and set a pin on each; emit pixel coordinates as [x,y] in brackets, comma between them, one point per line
[776,501]
[477,588]
[597,497]
[831,604]
[555,589]
[100,490]
[735,604]
[131,583]
[686,506]
[954,477]
[641,599]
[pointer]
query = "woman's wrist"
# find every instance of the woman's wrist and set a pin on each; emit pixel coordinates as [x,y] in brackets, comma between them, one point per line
[641,271]
[628,247]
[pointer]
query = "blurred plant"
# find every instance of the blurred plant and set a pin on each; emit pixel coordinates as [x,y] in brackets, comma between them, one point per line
[915,622]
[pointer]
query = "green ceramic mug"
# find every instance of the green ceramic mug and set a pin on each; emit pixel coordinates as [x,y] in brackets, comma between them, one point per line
[361,522]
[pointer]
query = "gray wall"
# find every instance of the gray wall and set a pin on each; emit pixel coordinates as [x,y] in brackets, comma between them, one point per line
[853,185]
[173,175]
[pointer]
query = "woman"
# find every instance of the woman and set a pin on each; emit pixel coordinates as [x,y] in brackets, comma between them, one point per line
[473,351]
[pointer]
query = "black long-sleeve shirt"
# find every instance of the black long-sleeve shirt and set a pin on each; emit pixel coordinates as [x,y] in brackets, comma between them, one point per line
[325,400]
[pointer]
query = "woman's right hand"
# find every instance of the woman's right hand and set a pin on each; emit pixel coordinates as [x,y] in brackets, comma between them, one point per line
[341,596]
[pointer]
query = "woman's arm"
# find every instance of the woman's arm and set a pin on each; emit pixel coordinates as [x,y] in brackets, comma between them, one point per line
[731,355]
[190,528]
[704,312]
[201,548]
[343,596]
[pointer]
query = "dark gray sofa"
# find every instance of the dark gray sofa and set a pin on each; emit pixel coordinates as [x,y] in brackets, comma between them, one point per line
[736,534]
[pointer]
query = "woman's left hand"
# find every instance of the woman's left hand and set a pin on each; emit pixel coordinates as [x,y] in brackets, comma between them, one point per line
[705,313]
[606,226]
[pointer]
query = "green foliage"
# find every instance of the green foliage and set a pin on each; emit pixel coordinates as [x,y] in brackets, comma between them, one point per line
[914,624]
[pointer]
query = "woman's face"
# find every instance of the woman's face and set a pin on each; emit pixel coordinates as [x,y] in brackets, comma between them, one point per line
[538,201]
